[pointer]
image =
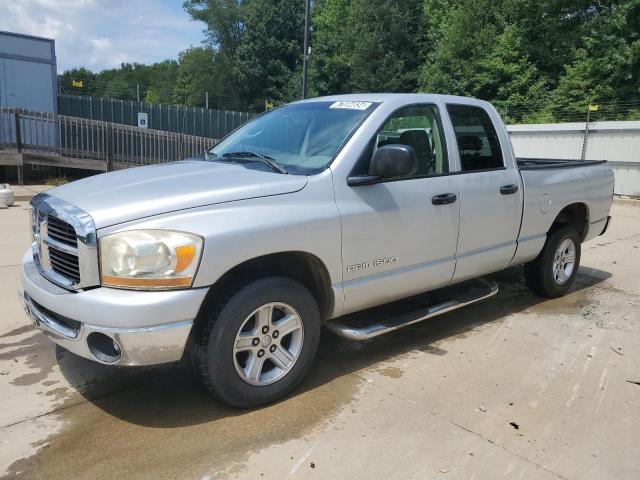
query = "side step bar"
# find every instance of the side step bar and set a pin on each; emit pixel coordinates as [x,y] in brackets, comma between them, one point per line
[484,288]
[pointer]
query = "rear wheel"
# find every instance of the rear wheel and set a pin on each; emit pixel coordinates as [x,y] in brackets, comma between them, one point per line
[552,273]
[260,343]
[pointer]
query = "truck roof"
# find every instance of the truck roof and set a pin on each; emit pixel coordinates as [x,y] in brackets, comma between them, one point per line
[398,98]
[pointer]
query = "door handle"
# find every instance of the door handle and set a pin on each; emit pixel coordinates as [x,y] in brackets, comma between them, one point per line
[444,199]
[508,189]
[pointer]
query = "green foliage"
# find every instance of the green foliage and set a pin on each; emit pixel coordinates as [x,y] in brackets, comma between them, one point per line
[330,70]
[607,65]
[151,96]
[535,60]
[196,75]
[387,45]
[357,46]
[117,88]
[270,52]
[225,20]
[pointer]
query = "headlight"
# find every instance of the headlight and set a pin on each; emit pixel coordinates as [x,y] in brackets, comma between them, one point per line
[149,259]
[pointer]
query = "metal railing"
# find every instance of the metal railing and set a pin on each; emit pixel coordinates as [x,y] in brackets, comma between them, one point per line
[74,140]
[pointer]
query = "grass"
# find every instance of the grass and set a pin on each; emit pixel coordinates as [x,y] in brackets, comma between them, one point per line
[56,181]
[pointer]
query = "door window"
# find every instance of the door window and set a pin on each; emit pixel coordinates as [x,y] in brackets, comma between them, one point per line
[418,126]
[477,138]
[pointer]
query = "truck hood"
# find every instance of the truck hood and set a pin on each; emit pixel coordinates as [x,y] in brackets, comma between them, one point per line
[136,193]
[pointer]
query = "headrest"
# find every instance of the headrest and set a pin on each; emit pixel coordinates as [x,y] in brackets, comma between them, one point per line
[470,142]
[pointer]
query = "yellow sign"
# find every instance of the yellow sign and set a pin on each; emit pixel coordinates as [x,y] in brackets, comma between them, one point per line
[593,108]
[268,105]
[76,83]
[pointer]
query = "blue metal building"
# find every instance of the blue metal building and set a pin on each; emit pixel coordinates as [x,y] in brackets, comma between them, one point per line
[28,76]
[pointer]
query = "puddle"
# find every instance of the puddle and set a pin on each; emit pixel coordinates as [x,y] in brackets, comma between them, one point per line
[32,352]
[18,331]
[573,304]
[170,427]
[391,372]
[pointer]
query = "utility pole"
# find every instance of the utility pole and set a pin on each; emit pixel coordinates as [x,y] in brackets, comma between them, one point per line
[138,92]
[206,100]
[305,55]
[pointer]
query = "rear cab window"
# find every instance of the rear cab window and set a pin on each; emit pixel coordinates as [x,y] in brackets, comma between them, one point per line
[477,138]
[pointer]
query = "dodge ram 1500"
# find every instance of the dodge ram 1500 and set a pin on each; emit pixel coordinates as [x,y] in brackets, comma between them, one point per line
[311,214]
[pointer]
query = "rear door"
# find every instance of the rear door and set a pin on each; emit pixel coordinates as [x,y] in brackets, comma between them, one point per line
[490,192]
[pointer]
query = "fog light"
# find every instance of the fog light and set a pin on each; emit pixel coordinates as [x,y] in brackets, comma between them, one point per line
[103,347]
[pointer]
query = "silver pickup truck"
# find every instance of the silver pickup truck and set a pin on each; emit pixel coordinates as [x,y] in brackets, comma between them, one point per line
[312,214]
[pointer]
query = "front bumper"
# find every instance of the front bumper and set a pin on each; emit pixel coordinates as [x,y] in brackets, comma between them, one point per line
[145,328]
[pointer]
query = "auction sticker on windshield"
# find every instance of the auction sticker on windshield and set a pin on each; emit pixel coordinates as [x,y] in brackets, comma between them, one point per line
[351,105]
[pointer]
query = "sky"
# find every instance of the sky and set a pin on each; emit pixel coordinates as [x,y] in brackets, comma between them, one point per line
[101,34]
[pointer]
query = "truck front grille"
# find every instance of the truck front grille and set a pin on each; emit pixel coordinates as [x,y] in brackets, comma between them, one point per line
[64,243]
[64,263]
[61,231]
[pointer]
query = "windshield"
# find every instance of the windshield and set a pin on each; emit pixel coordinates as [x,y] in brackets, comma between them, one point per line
[302,138]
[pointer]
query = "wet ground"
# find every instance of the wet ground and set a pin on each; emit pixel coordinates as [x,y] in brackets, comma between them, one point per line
[514,387]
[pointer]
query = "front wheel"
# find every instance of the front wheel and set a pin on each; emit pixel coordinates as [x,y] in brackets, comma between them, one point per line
[552,273]
[259,344]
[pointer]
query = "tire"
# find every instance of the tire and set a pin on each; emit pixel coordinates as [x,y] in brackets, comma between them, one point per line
[545,276]
[234,337]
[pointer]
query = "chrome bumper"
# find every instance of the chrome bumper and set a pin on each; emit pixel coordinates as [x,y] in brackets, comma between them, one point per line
[146,328]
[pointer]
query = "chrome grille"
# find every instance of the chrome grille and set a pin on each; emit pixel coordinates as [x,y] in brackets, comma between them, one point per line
[64,243]
[61,231]
[60,250]
[65,264]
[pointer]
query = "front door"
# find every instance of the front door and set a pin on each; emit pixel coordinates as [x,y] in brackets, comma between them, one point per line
[399,236]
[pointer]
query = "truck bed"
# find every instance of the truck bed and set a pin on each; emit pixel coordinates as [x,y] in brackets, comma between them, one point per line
[545,163]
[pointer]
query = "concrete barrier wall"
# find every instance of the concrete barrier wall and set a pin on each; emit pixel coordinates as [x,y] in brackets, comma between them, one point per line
[617,142]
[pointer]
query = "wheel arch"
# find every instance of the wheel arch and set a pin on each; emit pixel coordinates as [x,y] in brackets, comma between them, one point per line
[303,267]
[576,215]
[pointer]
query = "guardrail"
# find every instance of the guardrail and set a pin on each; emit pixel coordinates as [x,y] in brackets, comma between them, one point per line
[29,137]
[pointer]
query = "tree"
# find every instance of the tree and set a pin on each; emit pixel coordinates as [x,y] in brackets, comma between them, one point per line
[118,88]
[532,58]
[224,20]
[386,45]
[270,53]
[160,80]
[151,96]
[83,75]
[362,46]
[607,67]
[196,75]
[509,78]
[329,70]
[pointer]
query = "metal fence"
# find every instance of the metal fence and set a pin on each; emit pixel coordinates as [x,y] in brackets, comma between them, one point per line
[196,121]
[80,142]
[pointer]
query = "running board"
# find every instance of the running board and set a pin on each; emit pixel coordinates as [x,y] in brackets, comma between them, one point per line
[463,295]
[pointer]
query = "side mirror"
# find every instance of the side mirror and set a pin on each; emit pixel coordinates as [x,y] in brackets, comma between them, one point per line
[388,161]
[393,161]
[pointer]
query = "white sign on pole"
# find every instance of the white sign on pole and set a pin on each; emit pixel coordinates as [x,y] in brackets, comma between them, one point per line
[143,120]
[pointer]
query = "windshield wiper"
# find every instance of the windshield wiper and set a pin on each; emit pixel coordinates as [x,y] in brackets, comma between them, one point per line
[262,158]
